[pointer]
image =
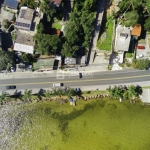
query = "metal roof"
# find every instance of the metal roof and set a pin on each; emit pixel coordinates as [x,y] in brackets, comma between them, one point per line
[11,4]
[24,48]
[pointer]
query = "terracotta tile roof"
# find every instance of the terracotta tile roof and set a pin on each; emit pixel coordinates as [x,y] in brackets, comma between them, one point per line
[136,30]
[56,1]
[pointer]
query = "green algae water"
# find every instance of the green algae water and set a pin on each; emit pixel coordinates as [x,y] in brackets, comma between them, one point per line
[91,125]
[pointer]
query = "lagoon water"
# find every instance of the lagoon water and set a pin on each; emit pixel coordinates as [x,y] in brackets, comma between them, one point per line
[97,124]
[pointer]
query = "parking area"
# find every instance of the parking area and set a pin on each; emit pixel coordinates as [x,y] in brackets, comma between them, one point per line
[143,49]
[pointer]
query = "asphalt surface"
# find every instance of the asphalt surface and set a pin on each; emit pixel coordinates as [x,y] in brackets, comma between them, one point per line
[95,79]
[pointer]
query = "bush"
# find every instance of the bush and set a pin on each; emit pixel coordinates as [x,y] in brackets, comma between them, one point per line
[121,65]
[128,64]
[141,64]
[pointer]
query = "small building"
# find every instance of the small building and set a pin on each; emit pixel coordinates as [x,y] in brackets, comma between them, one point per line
[136,30]
[83,60]
[145,95]
[70,61]
[123,37]
[25,18]
[24,42]
[11,5]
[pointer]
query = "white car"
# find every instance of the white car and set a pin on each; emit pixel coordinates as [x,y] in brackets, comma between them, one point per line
[12,69]
[139,56]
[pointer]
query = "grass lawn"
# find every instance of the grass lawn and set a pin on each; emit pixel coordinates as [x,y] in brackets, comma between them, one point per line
[56,25]
[128,55]
[104,42]
[91,125]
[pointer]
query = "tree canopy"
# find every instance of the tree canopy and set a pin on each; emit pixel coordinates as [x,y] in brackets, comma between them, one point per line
[6,58]
[46,44]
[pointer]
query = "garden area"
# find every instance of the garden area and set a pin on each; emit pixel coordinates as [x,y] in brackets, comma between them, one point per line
[105,40]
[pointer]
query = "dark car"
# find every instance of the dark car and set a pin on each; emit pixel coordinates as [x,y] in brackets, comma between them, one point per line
[80,75]
[9,87]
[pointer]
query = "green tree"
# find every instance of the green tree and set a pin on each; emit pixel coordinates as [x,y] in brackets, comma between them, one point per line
[68,50]
[40,28]
[6,58]
[29,3]
[3,96]
[132,92]
[131,18]
[147,24]
[27,95]
[47,94]
[71,92]
[26,57]
[46,44]
[47,9]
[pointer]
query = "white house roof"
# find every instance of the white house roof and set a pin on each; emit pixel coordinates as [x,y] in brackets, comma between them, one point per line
[123,37]
[24,48]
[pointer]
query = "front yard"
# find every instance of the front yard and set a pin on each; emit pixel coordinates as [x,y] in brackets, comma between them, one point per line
[105,40]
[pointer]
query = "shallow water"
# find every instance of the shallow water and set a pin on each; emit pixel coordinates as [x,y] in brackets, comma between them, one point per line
[90,125]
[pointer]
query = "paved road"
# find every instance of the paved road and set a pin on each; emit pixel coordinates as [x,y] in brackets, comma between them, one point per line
[92,80]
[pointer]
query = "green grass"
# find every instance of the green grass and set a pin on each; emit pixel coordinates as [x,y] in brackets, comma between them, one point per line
[128,55]
[105,43]
[56,25]
[91,125]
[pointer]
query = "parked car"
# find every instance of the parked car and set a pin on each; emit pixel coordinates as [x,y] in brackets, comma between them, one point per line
[139,56]
[9,87]
[80,75]
[12,69]
[58,84]
[140,47]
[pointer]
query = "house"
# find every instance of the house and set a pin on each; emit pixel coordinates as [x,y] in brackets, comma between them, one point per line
[25,18]
[145,95]
[55,3]
[122,40]
[136,30]
[70,61]
[24,42]
[11,5]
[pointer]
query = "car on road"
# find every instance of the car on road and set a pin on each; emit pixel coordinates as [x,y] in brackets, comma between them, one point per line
[58,84]
[140,47]
[10,87]
[139,56]
[80,75]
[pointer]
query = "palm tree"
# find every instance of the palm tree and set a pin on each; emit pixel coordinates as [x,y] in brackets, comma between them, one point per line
[47,94]
[27,95]
[131,91]
[3,96]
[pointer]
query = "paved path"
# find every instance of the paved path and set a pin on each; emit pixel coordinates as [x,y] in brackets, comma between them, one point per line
[98,21]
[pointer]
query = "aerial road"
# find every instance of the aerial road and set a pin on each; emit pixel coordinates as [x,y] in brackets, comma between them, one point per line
[94,79]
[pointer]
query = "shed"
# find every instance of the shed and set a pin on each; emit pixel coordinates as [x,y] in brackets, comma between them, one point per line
[146,95]
[136,30]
